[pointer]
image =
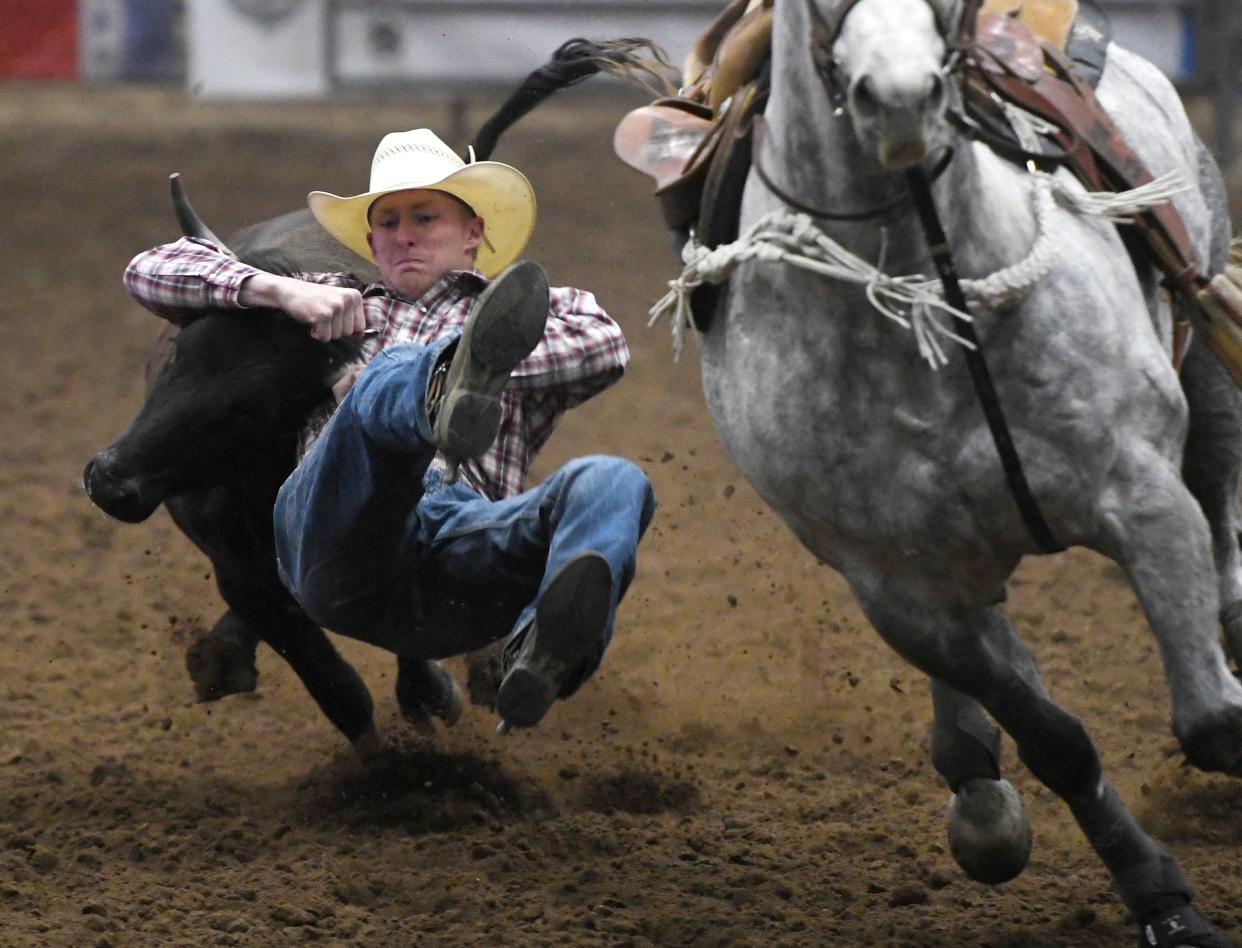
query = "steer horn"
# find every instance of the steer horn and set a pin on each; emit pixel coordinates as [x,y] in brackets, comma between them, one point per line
[191,224]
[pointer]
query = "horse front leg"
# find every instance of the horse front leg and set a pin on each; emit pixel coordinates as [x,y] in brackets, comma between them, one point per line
[989,830]
[1156,531]
[975,651]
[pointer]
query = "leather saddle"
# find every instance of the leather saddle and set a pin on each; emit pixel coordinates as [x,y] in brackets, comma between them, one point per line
[1044,56]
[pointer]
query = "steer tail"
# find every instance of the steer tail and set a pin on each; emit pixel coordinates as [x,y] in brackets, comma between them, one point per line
[638,61]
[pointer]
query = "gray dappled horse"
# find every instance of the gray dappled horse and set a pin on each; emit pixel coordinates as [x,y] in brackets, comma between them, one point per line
[886,469]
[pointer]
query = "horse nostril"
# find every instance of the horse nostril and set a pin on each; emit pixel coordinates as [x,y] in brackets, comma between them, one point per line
[863,94]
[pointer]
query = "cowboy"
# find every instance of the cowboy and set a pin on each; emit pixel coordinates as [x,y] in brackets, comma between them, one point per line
[405,523]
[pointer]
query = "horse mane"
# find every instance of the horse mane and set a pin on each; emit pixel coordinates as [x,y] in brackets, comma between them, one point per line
[633,59]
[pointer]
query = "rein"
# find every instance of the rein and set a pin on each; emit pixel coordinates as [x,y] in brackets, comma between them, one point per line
[959,38]
[985,390]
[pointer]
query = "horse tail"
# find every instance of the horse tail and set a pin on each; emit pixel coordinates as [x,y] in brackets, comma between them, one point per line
[638,61]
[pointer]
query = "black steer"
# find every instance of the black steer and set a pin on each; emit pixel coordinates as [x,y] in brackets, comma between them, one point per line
[228,393]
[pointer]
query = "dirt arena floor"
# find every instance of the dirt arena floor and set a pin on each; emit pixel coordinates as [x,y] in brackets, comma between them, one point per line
[750,767]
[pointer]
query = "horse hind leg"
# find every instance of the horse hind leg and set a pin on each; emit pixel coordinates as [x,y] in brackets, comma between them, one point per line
[1156,531]
[1213,455]
[976,652]
[1211,467]
[989,830]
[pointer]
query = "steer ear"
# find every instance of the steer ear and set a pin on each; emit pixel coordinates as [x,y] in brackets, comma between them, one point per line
[191,224]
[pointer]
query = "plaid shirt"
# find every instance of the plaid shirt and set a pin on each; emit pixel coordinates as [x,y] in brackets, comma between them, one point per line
[582,351]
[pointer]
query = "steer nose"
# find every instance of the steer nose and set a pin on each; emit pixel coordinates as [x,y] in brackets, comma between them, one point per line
[116,496]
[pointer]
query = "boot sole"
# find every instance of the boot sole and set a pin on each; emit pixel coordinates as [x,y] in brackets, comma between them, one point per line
[506,326]
[568,620]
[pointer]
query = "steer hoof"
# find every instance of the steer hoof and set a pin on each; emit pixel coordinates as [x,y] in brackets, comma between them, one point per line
[220,665]
[426,690]
[483,677]
[372,750]
[989,831]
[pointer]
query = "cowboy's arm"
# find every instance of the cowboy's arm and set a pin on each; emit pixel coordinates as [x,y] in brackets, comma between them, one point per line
[330,311]
[582,352]
[190,274]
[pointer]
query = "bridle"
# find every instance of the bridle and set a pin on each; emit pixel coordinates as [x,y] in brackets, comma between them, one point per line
[958,33]
[959,37]
[879,210]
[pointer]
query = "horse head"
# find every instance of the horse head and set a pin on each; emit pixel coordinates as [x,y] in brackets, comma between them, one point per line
[887,64]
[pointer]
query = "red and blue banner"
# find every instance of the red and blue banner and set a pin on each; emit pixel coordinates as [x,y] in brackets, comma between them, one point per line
[91,39]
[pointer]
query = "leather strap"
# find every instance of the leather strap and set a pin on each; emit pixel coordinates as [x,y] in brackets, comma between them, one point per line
[985,390]
[1098,153]
[1161,226]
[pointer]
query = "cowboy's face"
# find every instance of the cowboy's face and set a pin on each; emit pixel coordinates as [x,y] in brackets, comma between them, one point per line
[418,236]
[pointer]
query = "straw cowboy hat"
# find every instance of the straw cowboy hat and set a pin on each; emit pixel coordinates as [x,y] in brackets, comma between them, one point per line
[498,193]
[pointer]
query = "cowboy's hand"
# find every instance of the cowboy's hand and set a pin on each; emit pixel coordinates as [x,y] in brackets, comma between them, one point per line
[330,311]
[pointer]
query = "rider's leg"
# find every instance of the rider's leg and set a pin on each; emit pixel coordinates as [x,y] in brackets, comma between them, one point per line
[344,518]
[496,566]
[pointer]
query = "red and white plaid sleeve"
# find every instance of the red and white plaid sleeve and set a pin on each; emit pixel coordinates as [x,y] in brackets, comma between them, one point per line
[192,274]
[582,352]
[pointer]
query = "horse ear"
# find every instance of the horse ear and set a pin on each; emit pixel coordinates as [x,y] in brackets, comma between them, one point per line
[960,33]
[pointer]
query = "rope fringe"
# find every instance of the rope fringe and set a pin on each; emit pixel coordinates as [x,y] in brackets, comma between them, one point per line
[912,302]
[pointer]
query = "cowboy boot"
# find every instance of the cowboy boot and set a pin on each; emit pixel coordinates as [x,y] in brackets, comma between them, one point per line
[560,649]
[504,326]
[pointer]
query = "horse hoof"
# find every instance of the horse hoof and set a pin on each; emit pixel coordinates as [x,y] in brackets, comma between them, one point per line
[989,830]
[1231,625]
[220,665]
[1182,927]
[1215,743]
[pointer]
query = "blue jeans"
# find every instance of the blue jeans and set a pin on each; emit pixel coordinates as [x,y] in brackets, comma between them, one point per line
[374,545]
